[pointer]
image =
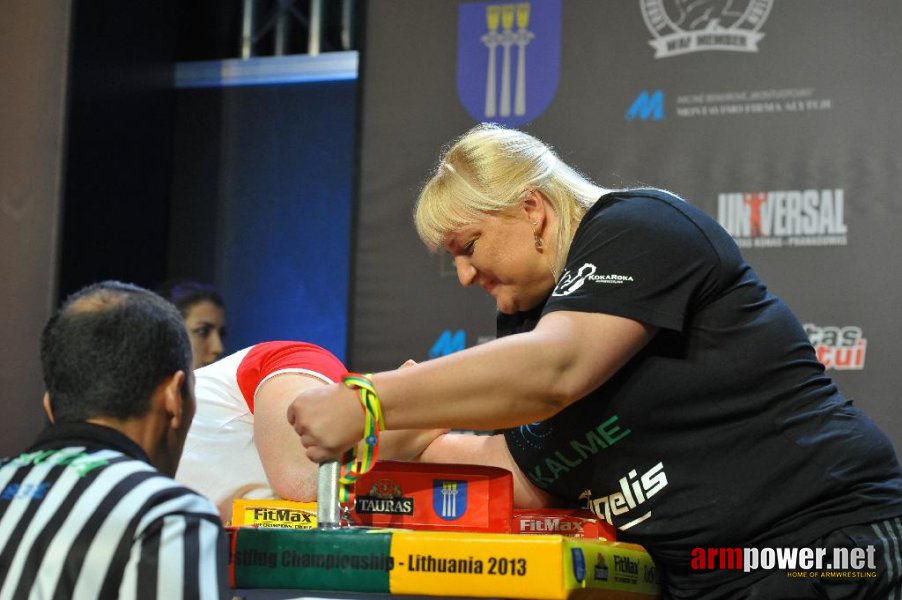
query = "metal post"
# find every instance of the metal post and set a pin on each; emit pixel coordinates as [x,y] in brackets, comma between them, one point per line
[283,22]
[347,13]
[314,42]
[328,510]
[247,29]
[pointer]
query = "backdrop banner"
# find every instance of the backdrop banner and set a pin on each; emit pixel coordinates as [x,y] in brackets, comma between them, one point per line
[776,118]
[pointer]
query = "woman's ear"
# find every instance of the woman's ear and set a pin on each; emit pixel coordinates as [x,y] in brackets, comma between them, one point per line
[535,206]
[48,408]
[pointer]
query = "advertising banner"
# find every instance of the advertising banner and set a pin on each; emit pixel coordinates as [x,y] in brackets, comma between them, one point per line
[776,118]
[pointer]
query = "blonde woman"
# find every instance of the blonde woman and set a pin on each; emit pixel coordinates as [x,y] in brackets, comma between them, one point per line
[642,368]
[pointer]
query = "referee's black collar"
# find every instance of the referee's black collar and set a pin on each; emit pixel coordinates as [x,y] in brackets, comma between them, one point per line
[89,435]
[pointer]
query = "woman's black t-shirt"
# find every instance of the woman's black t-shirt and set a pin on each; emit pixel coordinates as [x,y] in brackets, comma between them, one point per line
[724,431]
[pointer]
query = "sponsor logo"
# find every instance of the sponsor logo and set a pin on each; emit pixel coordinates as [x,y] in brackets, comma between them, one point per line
[626,570]
[579,564]
[684,26]
[71,458]
[750,102]
[601,569]
[448,342]
[25,491]
[283,515]
[550,468]
[449,499]
[385,498]
[840,348]
[549,525]
[570,281]
[635,491]
[508,59]
[784,218]
[535,433]
[647,106]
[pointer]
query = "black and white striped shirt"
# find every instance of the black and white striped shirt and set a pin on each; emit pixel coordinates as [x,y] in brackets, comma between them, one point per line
[83,514]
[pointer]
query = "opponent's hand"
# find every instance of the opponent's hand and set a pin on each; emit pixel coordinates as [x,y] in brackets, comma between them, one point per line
[328,419]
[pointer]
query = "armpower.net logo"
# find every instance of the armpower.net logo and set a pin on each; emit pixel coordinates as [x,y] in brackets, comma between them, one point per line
[841,563]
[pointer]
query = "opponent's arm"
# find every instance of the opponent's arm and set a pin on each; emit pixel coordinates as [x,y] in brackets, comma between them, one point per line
[292,475]
[488,450]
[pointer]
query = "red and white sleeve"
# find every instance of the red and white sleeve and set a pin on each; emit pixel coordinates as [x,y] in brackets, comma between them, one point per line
[269,359]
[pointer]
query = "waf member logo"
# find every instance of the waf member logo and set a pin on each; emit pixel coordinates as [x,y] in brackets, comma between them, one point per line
[784,218]
[385,498]
[449,499]
[508,59]
[840,348]
[684,26]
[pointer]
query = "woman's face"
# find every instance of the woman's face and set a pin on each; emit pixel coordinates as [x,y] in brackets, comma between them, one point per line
[499,254]
[206,328]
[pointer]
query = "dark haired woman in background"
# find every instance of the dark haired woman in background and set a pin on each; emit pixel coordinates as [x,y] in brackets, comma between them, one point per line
[202,308]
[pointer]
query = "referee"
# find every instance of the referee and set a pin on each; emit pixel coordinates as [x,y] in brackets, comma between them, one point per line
[91,510]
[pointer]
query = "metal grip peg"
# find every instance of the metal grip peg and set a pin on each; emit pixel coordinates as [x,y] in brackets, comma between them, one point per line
[328,510]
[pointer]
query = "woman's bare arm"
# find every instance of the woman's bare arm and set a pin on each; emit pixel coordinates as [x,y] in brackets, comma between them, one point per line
[508,382]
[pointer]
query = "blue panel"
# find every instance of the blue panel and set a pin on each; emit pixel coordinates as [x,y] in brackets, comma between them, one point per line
[262,206]
[286,190]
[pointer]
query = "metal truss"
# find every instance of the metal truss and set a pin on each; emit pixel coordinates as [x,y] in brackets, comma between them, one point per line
[260,18]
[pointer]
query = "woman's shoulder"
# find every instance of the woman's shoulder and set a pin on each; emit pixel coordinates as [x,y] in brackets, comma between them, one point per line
[651,206]
[652,214]
[639,205]
[633,198]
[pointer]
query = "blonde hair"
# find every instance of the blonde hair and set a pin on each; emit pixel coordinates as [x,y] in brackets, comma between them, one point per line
[486,171]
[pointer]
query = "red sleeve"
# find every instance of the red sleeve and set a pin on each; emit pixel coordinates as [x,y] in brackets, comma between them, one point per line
[269,358]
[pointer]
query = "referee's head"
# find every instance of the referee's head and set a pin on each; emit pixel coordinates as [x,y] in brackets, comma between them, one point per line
[118,355]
